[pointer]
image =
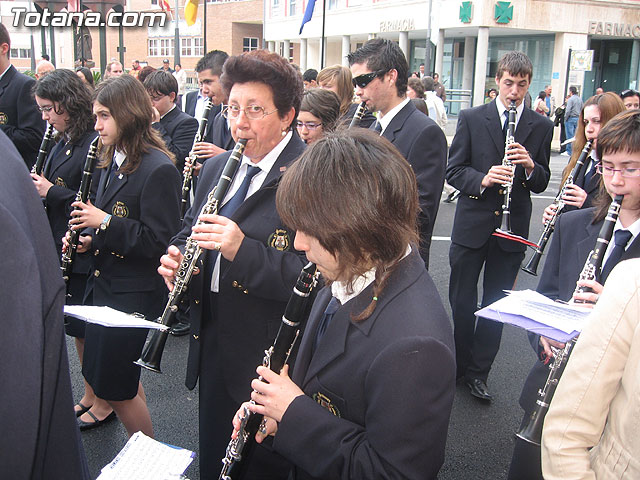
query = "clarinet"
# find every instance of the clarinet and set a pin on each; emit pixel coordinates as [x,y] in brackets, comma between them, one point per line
[69,255]
[357,117]
[506,162]
[187,181]
[275,358]
[44,149]
[532,432]
[550,225]
[152,352]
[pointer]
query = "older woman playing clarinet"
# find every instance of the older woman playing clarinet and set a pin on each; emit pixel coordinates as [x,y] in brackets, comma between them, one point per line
[250,265]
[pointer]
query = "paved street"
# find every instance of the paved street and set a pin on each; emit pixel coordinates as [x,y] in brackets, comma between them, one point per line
[480,436]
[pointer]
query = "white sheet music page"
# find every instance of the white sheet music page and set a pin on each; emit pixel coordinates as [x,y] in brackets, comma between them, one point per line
[144,458]
[110,317]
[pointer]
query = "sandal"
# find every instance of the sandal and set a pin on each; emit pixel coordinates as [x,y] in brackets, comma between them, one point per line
[82,410]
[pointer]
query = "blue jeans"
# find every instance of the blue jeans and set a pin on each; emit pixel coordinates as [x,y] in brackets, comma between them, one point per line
[570,125]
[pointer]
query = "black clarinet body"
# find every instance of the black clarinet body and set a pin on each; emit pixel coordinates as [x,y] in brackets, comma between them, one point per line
[532,431]
[187,181]
[152,351]
[508,187]
[550,225]
[69,255]
[275,358]
[357,117]
[43,151]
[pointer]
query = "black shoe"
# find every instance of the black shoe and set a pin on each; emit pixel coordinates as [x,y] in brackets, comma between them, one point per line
[96,423]
[479,389]
[180,329]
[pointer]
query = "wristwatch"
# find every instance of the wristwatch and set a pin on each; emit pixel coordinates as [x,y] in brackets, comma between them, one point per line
[105,223]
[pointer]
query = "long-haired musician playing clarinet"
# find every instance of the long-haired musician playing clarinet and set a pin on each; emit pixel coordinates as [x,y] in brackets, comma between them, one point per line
[576,233]
[250,264]
[371,393]
[65,103]
[127,227]
[475,169]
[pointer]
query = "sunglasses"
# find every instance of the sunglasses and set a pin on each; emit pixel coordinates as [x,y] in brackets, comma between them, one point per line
[366,78]
[629,93]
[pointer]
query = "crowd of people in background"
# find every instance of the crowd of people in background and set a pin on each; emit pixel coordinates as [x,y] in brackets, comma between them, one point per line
[334,161]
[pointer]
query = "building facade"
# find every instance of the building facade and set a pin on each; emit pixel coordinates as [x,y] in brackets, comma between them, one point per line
[469,37]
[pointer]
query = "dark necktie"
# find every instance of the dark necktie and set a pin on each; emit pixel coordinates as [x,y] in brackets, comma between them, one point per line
[113,171]
[234,202]
[589,175]
[505,125]
[331,309]
[377,127]
[621,238]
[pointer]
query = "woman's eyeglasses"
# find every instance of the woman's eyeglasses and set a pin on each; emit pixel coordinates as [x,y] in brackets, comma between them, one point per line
[311,126]
[366,78]
[252,112]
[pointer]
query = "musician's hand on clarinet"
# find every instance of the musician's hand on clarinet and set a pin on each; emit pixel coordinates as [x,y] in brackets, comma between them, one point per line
[546,344]
[197,166]
[268,427]
[169,264]
[218,233]
[548,213]
[574,195]
[42,184]
[273,397]
[588,299]
[84,243]
[207,150]
[520,156]
[497,175]
[86,215]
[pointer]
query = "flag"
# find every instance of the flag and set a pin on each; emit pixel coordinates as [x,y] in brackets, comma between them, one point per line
[73,6]
[308,13]
[164,5]
[191,11]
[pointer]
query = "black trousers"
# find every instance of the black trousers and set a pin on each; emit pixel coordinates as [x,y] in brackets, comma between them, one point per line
[477,342]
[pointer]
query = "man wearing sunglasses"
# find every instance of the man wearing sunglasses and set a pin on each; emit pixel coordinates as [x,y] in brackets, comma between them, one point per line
[380,72]
[475,168]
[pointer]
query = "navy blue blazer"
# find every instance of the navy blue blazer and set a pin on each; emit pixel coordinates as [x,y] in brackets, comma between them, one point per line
[190,106]
[145,209]
[378,392]
[573,239]
[476,147]
[421,141]
[20,119]
[219,133]
[178,131]
[255,287]
[367,120]
[44,440]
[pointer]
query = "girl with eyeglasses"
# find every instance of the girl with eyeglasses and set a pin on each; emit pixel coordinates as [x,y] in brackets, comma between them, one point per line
[319,112]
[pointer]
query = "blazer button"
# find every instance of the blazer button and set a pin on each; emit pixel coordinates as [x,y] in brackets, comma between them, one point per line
[234,284]
[497,212]
[96,273]
[246,292]
[196,337]
[501,192]
[196,301]
[96,253]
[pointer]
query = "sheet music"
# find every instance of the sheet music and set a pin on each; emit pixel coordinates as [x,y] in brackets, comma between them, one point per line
[109,317]
[144,458]
[532,305]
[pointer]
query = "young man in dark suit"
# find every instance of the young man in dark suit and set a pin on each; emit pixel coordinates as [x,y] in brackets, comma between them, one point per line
[380,73]
[176,127]
[19,116]
[475,168]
